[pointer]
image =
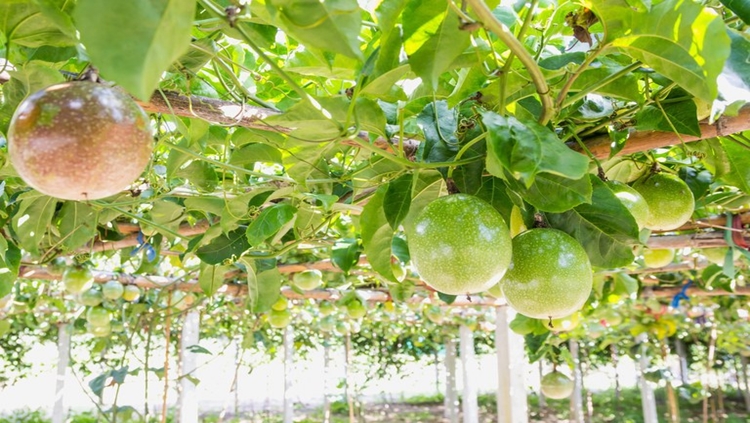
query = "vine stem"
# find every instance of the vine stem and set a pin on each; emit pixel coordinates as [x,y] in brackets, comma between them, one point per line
[463,151]
[167,321]
[569,83]
[514,45]
[602,82]
[509,61]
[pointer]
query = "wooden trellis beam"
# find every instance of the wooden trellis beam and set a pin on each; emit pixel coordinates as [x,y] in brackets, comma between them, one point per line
[697,292]
[234,114]
[371,295]
[229,113]
[600,146]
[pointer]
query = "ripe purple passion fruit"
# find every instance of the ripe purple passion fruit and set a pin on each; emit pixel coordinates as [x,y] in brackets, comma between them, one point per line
[79,141]
[460,245]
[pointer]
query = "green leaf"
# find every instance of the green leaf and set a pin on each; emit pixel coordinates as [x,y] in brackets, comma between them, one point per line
[29,78]
[680,39]
[740,8]
[401,249]
[384,86]
[526,149]
[10,260]
[252,153]
[77,224]
[625,87]
[118,375]
[201,174]
[439,124]
[738,157]
[446,298]
[377,234]
[734,81]
[493,191]
[670,117]
[397,200]
[428,186]
[4,327]
[35,23]
[268,222]
[167,213]
[197,349]
[97,384]
[211,277]
[224,247]
[346,257]
[554,194]
[432,38]
[263,290]
[134,42]
[624,284]
[523,325]
[333,25]
[605,228]
[32,220]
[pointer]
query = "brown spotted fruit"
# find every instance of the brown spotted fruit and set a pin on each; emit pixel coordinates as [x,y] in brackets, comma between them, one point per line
[79,141]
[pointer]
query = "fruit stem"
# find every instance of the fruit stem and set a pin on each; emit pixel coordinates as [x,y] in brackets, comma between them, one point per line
[600,170]
[539,221]
[549,324]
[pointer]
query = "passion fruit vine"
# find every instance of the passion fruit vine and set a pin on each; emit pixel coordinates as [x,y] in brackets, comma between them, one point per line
[79,141]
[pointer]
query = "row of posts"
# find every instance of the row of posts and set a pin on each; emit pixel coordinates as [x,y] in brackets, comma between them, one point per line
[511,364]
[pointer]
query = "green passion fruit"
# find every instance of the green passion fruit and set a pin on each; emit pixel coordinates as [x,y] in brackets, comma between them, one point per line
[131,293]
[79,141]
[718,255]
[550,275]
[279,318]
[98,316]
[670,201]
[356,310]
[460,244]
[308,279]
[91,297]
[113,290]
[632,200]
[77,280]
[657,257]
[556,385]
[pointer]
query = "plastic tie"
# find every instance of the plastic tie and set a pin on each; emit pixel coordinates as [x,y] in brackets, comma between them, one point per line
[143,245]
[682,295]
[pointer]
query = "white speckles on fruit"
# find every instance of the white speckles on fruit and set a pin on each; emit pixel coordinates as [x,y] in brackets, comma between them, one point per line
[550,274]
[670,201]
[79,141]
[460,244]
